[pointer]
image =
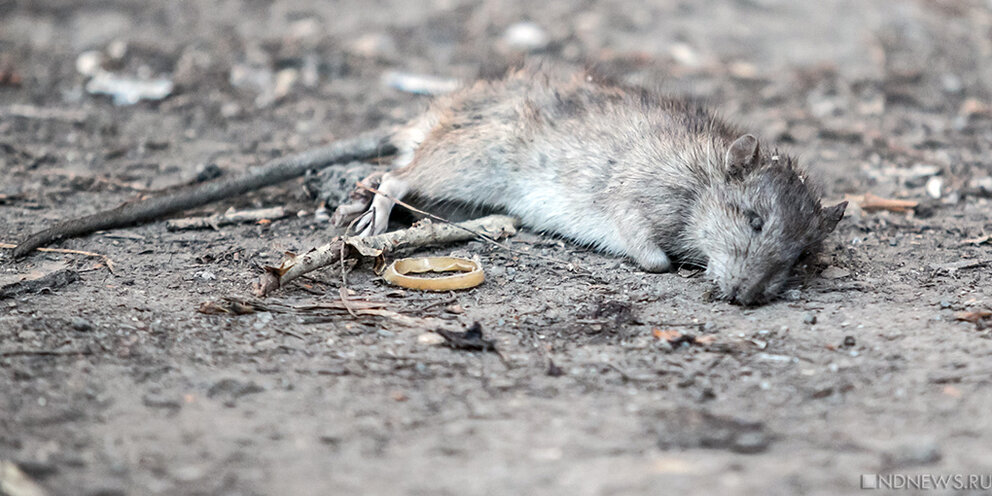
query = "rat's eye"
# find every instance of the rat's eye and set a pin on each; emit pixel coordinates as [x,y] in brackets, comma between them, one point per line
[755,220]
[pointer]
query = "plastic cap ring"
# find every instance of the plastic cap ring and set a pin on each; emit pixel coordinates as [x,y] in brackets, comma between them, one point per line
[469,275]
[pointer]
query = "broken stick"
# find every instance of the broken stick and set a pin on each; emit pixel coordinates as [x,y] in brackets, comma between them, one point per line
[423,233]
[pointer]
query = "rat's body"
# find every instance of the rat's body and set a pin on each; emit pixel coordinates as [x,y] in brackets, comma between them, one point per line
[623,170]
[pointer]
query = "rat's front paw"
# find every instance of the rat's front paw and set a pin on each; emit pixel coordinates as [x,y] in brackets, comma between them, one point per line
[654,261]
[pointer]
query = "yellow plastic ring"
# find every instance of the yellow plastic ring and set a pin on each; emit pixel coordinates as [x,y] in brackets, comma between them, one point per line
[470,276]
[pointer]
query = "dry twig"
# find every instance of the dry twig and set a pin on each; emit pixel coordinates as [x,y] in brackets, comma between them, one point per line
[106,260]
[229,217]
[423,233]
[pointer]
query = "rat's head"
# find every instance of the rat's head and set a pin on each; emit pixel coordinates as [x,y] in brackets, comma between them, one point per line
[754,224]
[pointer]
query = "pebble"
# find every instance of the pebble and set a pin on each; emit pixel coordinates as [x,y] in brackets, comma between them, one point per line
[934,186]
[526,36]
[834,272]
[89,63]
[809,318]
[912,453]
[80,324]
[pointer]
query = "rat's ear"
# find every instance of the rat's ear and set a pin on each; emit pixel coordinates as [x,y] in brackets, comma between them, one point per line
[742,155]
[831,216]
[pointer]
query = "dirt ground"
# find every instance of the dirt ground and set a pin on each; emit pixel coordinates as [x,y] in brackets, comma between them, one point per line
[115,384]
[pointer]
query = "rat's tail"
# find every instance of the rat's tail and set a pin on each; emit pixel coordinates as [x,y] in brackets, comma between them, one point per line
[364,147]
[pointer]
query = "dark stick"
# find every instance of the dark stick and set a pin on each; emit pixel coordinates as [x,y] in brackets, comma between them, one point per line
[364,147]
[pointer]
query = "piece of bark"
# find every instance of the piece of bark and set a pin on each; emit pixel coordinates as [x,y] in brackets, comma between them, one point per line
[871,203]
[423,233]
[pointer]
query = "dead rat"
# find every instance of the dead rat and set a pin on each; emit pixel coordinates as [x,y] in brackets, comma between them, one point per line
[624,170]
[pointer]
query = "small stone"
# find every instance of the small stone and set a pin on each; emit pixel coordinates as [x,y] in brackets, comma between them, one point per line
[232,389]
[934,186]
[849,341]
[912,453]
[160,401]
[834,272]
[809,318]
[751,442]
[526,37]
[945,304]
[430,338]
[456,309]
[89,63]
[80,324]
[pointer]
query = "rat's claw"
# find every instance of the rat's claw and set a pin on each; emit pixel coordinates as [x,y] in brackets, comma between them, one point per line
[364,223]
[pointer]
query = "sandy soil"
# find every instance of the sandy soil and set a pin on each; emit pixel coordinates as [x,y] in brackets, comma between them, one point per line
[115,384]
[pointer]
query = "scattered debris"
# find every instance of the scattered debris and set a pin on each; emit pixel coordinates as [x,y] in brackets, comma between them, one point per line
[934,186]
[676,338]
[974,316]
[80,324]
[872,203]
[49,282]
[470,340]
[231,216]
[269,86]
[911,453]
[419,84]
[42,113]
[430,339]
[686,429]
[156,400]
[422,233]
[106,260]
[835,272]
[904,176]
[89,63]
[229,390]
[526,36]
[980,240]
[125,90]
[972,107]
[14,482]
[952,268]
[8,75]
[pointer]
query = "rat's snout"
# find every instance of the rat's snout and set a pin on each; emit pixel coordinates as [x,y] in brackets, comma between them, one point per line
[749,287]
[745,294]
